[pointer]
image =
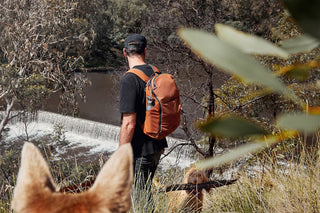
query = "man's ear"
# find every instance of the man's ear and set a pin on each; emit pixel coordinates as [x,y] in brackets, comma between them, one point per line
[124,52]
[144,52]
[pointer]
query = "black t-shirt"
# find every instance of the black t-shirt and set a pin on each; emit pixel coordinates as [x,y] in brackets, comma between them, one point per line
[132,100]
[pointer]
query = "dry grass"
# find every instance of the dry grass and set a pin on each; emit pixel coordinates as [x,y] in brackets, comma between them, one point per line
[291,187]
[295,188]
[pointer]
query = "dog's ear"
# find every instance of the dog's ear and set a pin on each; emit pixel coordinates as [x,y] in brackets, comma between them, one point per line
[34,177]
[114,182]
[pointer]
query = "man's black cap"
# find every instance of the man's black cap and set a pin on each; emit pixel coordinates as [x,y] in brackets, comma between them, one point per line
[135,41]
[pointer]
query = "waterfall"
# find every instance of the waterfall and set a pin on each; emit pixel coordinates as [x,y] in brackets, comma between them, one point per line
[86,133]
[80,126]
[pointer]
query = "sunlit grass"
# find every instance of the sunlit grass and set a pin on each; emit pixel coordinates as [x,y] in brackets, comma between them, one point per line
[293,188]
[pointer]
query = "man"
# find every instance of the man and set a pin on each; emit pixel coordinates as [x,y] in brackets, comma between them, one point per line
[146,150]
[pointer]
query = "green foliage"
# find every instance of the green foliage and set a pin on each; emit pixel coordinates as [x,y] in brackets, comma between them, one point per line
[233,60]
[232,155]
[43,44]
[58,134]
[231,126]
[128,18]
[299,73]
[232,57]
[8,172]
[303,43]
[300,121]
[307,15]
[247,43]
[110,21]
[32,91]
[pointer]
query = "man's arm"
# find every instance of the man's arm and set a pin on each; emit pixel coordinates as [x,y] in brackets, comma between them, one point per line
[127,127]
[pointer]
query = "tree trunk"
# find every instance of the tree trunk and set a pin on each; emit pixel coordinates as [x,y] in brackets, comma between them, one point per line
[6,116]
[211,108]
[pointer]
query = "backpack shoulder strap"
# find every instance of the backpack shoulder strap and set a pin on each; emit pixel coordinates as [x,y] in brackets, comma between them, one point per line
[155,70]
[141,74]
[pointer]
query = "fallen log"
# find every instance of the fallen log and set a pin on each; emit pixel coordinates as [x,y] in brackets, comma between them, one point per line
[207,185]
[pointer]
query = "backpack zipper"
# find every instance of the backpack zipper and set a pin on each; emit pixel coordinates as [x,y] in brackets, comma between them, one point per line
[152,83]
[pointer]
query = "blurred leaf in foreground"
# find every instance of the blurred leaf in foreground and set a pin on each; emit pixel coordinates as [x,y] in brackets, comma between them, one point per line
[303,43]
[247,43]
[299,72]
[233,60]
[307,14]
[244,150]
[299,121]
[314,110]
[231,126]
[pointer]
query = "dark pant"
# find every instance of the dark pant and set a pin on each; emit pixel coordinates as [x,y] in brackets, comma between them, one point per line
[144,170]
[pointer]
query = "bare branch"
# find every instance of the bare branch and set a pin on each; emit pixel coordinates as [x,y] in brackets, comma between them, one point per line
[198,187]
[4,94]
[173,148]
[77,188]
[186,130]
[248,103]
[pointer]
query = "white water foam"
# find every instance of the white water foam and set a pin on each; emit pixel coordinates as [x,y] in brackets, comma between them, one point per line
[98,137]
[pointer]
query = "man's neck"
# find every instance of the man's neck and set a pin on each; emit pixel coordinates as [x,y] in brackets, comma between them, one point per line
[135,61]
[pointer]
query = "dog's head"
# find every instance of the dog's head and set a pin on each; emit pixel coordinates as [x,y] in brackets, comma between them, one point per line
[36,191]
[196,176]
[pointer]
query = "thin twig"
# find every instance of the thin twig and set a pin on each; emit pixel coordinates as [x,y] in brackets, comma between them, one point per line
[180,144]
[207,185]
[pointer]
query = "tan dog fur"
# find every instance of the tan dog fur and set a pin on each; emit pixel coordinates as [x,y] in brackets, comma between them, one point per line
[188,201]
[36,191]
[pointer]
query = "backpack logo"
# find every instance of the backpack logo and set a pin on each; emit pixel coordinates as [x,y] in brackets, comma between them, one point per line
[162,104]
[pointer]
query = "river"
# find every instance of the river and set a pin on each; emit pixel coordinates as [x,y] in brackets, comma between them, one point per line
[102,100]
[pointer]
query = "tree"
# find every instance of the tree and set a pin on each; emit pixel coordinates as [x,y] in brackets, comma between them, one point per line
[164,18]
[39,41]
[233,52]
[111,21]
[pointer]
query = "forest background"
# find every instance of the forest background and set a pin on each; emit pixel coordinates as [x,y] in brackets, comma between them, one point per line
[44,43]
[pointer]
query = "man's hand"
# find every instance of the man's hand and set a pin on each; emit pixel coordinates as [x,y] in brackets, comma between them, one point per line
[127,127]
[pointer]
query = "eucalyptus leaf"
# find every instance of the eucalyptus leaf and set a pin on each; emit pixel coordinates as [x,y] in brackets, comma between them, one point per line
[247,43]
[314,110]
[307,14]
[303,43]
[231,126]
[243,150]
[232,155]
[299,121]
[299,73]
[233,60]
